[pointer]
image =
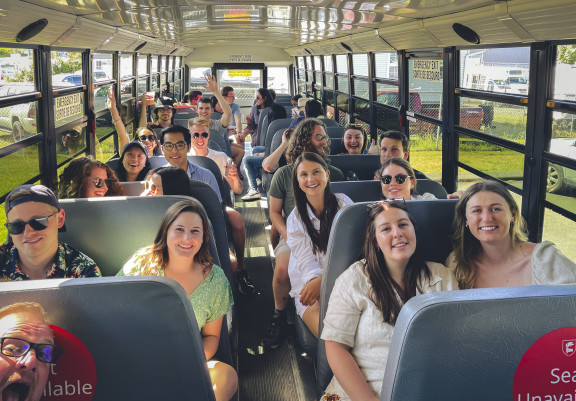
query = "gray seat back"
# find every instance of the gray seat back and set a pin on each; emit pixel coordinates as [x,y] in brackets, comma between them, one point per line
[335,132]
[111,229]
[371,190]
[329,122]
[113,163]
[120,320]
[336,146]
[433,229]
[207,163]
[433,187]
[273,127]
[363,165]
[133,188]
[263,127]
[276,140]
[216,141]
[467,345]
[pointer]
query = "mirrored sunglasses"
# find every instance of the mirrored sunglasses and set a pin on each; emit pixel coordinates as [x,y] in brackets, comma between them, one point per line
[99,182]
[196,135]
[38,224]
[150,138]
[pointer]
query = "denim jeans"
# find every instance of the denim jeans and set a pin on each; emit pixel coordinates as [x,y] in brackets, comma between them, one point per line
[252,166]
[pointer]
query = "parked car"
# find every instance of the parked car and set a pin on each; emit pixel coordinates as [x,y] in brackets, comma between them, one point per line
[560,178]
[66,80]
[19,119]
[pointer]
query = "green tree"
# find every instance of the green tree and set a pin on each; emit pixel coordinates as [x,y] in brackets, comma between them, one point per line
[61,66]
[566,54]
[25,75]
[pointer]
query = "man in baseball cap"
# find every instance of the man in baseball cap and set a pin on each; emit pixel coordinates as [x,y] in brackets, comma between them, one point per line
[33,219]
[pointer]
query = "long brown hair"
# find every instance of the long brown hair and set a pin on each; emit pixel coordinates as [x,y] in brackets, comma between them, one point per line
[384,288]
[319,237]
[74,179]
[400,162]
[156,255]
[467,248]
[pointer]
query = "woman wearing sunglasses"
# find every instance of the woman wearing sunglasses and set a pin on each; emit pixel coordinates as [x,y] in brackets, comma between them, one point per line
[142,134]
[308,228]
[368,296]
[181,252]
[399,181]
[86,177]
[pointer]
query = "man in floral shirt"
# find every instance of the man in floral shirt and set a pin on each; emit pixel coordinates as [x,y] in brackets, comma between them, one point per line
[34,218]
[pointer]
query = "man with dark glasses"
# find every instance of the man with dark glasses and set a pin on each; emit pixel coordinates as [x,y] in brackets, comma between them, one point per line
[205,110]
[33,219]
[27,351]
[200,132]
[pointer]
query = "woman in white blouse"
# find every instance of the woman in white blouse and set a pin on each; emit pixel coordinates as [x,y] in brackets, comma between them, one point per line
[308,228]
[367,299]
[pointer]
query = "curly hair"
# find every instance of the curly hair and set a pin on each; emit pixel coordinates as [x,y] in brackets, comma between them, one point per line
[73,180]
[467,248]
[300,140]
[155,256]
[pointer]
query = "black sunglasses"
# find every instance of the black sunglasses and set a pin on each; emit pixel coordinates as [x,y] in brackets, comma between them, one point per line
[400,178]
[150,138]
[99,182]
[197,135]
[373,205]
[16,347]
[38,224]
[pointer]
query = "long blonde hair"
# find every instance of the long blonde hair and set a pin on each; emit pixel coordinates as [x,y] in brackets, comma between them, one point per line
[467,248]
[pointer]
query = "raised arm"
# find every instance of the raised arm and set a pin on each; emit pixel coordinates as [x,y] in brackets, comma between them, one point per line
[143,111]
[271,163]
[212,86]
[238,121]
[123,138]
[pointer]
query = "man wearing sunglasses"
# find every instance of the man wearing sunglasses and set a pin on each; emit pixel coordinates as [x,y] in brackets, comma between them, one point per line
[200,133]
[205,110]
[27,351]
[33,219]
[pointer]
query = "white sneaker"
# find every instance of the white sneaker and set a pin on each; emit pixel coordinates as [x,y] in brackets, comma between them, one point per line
[252,195]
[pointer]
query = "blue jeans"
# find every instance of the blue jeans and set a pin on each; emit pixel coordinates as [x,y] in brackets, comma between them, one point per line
[252,166]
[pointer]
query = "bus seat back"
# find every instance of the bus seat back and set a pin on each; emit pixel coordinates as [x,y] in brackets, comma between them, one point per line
[363,165]
[336,146]
[111,229]
[335,132]
[433,220]
[273,127]
[120,320]
[467,345]
[205,162]
[371,190]
[329,122]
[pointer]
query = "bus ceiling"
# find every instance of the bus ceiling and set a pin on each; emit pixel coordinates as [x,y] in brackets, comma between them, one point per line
[296,27]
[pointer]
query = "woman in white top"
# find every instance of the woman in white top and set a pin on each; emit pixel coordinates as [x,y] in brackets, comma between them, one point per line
[398,180]
[368,297]
[308,228]
[491,247]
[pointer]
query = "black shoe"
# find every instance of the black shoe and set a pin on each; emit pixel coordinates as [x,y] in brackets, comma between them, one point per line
[245,285]
[276,332]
